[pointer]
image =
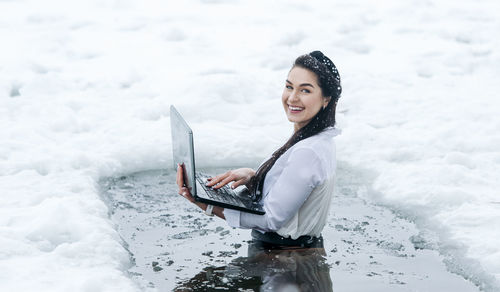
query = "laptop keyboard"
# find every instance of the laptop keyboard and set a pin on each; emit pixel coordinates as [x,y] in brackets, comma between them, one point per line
[224,194]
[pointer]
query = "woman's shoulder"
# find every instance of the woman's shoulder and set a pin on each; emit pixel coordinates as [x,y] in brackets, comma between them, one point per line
[320,146]
[324,138]
[317,152]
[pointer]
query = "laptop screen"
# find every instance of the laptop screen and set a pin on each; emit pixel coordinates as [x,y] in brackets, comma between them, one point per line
[183,147]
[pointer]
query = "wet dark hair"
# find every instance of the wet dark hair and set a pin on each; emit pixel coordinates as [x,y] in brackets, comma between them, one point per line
[329,82]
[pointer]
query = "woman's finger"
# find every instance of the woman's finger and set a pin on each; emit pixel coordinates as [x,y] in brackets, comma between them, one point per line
[224,182]
[178,178]
[237,183]
[218,178]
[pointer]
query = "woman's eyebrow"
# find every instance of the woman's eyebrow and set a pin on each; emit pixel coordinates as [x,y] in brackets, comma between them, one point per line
[303,84]
[307,84]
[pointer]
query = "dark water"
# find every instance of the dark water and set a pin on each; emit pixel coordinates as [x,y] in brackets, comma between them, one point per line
[175,247]
[266,270]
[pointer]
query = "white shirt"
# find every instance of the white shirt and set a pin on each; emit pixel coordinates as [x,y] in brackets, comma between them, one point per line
[297,190]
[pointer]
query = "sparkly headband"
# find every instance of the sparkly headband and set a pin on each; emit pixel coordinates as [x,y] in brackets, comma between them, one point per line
[333,78]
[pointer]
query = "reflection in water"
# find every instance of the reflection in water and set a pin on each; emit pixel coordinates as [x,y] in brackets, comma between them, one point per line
[280,270]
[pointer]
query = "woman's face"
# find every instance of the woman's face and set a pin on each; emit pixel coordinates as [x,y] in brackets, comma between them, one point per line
[302,97]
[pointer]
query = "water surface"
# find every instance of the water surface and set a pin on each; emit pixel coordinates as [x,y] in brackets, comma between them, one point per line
[174,246]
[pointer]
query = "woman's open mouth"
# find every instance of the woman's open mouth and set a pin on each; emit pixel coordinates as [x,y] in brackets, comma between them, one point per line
[295,109]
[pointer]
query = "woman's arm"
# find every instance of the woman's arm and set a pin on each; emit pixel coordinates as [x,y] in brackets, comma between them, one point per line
[302,172]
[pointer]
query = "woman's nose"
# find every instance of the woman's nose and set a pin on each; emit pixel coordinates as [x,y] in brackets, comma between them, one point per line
[293,96]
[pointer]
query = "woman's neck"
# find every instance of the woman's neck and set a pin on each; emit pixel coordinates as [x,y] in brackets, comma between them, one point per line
[297,126]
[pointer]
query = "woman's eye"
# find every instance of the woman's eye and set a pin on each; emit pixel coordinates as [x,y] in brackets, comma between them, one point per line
[306,90]
[288,87]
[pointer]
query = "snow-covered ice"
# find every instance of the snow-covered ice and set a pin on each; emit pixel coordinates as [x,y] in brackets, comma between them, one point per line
[85,90]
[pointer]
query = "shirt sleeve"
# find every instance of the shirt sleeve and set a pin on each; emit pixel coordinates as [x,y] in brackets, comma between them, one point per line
[301,174]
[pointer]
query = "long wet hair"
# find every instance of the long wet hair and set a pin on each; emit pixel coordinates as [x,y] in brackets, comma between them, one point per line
[329,82]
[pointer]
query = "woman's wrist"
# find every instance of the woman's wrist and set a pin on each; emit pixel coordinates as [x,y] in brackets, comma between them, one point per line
[217,211]
[202,206]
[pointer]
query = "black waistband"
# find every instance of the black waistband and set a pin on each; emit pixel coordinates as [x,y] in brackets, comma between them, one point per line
[274,240]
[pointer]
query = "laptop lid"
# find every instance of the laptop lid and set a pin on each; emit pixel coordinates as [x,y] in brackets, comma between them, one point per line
[183,152]
[183,148]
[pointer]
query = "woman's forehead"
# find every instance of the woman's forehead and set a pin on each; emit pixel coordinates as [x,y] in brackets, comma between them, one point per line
[300,75]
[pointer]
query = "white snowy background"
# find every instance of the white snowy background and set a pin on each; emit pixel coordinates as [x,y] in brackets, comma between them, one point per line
[86,86]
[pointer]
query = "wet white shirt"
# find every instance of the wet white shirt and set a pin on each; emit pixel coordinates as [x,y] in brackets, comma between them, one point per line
[297,190]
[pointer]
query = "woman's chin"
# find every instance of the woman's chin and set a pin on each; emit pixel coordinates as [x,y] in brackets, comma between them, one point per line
[294,117]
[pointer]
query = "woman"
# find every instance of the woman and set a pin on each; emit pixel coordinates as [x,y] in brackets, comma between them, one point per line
[295,184]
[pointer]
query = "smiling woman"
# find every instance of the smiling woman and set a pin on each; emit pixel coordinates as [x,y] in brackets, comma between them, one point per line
[302,101]
[295,185]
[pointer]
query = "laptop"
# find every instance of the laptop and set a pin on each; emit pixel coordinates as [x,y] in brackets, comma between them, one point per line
[183,152]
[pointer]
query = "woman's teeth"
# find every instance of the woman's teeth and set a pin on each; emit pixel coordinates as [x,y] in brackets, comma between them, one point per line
[294,108]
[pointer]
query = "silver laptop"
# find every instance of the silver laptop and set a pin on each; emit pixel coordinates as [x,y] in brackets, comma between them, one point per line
[183,152]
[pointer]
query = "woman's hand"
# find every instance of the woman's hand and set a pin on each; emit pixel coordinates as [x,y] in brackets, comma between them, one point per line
[240,176]
[183,190]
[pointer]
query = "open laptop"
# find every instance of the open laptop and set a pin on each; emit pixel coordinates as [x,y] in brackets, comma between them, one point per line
[183,152]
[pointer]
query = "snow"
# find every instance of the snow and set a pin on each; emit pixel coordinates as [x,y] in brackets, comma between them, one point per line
[86,87]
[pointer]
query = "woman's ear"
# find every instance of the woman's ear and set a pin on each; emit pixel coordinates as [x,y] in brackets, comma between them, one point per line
[326,100]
